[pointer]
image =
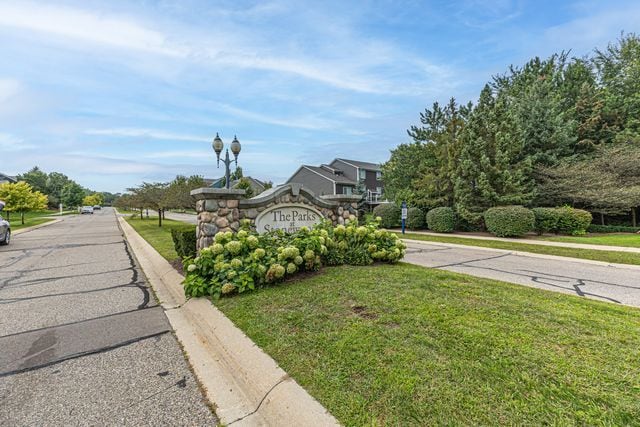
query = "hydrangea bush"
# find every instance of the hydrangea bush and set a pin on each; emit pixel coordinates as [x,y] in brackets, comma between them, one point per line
[242,261]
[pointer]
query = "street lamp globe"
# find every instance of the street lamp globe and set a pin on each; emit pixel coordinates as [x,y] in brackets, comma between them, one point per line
[235,147]
[217,145]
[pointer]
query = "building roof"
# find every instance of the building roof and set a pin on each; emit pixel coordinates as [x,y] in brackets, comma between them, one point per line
[5,177]
[361,165]
[338,179]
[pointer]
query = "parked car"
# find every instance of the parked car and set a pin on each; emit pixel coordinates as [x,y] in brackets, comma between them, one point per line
[5,228]
[86,210]
[97,207]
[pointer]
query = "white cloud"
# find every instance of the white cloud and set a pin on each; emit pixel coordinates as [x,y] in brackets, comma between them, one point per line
[312,123]
[355,63]
[10,142]
[146,133]
[81,25]
[8,89]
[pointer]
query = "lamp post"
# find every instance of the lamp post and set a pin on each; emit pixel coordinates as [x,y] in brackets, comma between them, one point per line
[218,145]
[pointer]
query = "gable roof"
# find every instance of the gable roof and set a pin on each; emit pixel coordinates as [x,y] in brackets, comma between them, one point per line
[338,179]
[5,177]
[361,165]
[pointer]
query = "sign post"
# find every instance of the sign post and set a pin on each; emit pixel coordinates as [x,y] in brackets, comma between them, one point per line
[404,215]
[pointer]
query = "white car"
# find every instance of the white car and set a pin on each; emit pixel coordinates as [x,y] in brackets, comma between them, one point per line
[86,210]
[5,228]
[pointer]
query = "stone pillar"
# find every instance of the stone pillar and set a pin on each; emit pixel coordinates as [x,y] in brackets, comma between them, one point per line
[218,210]
[346,206]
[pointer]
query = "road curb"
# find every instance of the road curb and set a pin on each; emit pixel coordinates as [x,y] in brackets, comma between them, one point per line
[527,254]
[245,385]
[35,227]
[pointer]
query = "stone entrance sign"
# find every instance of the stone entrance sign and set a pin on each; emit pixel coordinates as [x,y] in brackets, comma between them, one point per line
[287,207]
[288,218]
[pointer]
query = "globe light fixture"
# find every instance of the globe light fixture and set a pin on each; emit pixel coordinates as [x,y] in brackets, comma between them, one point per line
[218,145]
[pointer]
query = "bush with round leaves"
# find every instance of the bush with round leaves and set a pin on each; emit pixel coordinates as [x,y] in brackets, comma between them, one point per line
[389,213]
[243,261]
[509,221]
[441,220]
[415,219]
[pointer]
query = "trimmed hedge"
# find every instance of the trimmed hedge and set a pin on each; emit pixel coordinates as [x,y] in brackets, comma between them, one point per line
[185,242]
[595,228]
[509,221]
[564,220]
[389,213]
[441,220]
[415,219]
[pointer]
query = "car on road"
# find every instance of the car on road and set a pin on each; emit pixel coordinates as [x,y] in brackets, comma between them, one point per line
[97,207]
[86,210]
[5,228]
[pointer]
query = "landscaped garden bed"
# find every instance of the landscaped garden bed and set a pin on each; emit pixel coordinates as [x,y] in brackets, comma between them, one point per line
[406,345]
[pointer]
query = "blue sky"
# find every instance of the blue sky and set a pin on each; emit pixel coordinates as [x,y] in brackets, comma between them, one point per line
[113,93]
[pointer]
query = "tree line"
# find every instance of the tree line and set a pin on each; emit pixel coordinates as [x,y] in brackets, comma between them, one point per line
[555,131]
[59,188]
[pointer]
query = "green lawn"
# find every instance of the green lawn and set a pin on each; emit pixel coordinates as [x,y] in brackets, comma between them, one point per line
[592,254]
[158,237]
[30,218]
[406,345]
[629,240]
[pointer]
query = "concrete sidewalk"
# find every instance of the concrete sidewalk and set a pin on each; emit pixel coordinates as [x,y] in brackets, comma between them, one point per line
[534,242]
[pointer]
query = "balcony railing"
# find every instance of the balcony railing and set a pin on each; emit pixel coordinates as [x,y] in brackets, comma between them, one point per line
[374,197]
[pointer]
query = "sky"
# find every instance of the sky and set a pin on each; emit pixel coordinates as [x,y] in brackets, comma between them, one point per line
[114,93]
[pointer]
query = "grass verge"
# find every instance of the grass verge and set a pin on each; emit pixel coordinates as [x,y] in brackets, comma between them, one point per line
[405,345]
[592,254]
[627,240]
[159,237]
[30,218]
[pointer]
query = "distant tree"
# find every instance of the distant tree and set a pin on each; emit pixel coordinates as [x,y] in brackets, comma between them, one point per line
[245,185]
[268,185]
[93,199]
[178,192]
[72,194]
[153,196]
[36,178]
[20,197]
[236,174]
[55,183]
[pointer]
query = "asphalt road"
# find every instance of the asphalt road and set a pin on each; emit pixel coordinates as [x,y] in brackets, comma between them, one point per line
[606,283]
[82,340]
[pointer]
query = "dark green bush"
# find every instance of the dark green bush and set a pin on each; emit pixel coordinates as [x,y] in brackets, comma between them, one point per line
[509,221]
[184,242]
[415,219]
[441,220]
[564,220]
[594,228]
[573,221]
[546,220]
[389,214]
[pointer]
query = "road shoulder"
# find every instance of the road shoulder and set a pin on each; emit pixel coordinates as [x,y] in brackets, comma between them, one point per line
[245,385]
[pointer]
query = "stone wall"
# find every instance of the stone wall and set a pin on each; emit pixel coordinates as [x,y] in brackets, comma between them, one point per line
[222,209]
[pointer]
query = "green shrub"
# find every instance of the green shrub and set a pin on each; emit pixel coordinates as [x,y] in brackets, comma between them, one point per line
[509,221]
[546,220]
[389,214]
[564,220]
[441,220]
[594,228]
[415,219]
[242,261]
[184,242]
[573,221]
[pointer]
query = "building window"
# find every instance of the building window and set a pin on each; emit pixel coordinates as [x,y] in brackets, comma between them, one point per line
[347,190]
[378,175]
[363,174]
[379,190]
